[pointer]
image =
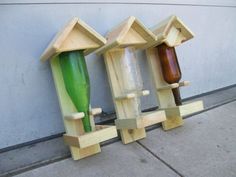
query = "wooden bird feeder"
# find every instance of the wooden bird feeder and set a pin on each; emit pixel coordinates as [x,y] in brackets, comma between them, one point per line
[77,36]
[124,78]
[171,32]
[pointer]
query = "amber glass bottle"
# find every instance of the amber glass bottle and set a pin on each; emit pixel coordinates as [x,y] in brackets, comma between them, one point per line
[170,68]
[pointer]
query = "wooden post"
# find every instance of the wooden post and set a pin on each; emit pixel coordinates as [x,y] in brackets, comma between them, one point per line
[126,92]
[172,32]
[76,35]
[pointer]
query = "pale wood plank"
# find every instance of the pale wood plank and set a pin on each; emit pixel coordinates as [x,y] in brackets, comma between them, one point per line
[67,107]
[74,116]
[145,120]
[96,111]
[76,35]
[184,83]
[165,96]
[171,31]
[131,135]
[170,86]
[130,32]
[190,108]
[101,134]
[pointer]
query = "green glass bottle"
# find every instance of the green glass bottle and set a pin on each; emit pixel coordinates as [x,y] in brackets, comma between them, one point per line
[76,79]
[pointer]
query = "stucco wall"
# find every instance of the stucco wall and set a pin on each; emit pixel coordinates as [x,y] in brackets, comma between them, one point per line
[28,104]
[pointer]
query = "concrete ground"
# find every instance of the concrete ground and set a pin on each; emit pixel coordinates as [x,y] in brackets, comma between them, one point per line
[23,157]
[204,147]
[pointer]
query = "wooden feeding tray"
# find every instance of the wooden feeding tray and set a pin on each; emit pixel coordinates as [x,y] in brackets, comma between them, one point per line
[77,35]
[145,120]
[100,134]
[172,32]
[130,33]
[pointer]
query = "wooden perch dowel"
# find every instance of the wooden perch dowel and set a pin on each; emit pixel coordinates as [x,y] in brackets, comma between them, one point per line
[96,111]
[74,116]
[166,73]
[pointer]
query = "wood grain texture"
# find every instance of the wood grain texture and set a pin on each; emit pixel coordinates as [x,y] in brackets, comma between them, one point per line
[131,32]
[131,135]
[190,108]
[102,133]
[76,35]
[145,120]
[72,127]
[130,124]
[165,96]
[89,143]
[171,31]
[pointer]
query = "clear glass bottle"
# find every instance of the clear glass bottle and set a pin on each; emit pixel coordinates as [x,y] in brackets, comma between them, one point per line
[131,77]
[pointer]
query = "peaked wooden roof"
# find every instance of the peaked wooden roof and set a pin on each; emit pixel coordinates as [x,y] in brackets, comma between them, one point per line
[76,35]
[130,32]
[171,31]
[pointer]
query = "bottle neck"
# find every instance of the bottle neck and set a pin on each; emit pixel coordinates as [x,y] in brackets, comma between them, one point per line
[177,96]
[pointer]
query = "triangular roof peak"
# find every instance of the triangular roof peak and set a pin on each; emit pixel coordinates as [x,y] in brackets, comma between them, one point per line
[130,32]
[171,31]
[76,35]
